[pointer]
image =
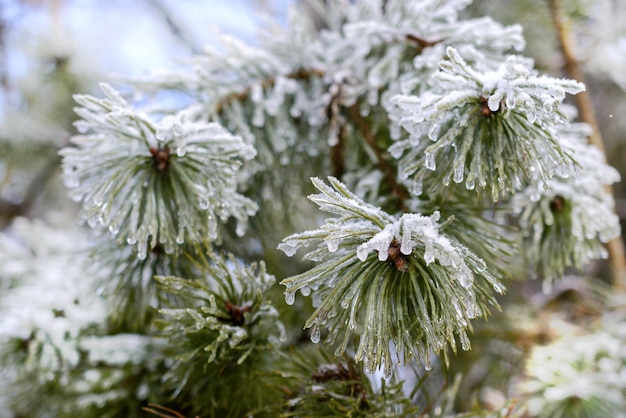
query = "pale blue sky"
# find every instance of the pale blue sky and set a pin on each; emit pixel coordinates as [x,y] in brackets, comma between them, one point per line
[128,36]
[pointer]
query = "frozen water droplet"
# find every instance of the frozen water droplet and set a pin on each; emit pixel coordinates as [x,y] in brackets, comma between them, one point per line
[433,132]
[114,228]
[132,240]
[315,335]
[396,151]
[71,181]
[305,290]
[259,117]
[289,248]
[161,134]
[465,344]
[181,151]
[345,304]
[295,112]
[97,199]
[180,238]
[418,187]
[458,173]
[256,95]
[142,250]
[203,204]
[333,245]
[177,129]
[429,256]
[499,288]
[212,228]
[562,170]
[290,298]
[430,161]
[361,253]
[316,300]
[240,229]
[394,131]
[92,221]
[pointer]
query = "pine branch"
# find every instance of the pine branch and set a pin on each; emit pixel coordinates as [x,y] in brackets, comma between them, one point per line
[360,122]
[301,74]
[421,42]
[389,171]
[615,247]
[378,277]
[152,183]
[492,129]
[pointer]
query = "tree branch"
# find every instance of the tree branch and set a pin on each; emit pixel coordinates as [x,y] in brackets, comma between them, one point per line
[421,42]
[299,74]
[615,247]
[397,189]
[173,26]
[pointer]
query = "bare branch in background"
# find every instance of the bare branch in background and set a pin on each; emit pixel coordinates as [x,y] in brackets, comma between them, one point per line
[173,25]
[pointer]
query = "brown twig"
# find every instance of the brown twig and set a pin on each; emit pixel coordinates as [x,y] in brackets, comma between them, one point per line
[434,401]
[300,74]
[337,154]
[361,124]
[154,409]
[615,247]
[335,126]
[421,42]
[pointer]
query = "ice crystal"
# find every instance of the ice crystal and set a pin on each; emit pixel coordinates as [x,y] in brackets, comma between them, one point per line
[493,129]
[151,182]
[396,280]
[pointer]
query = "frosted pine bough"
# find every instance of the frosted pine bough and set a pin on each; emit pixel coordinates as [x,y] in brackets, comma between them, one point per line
[123,169]
[55,317]
[221,335]
[582,371]
[492,128]
[566,221]
[380,78]
[369,261]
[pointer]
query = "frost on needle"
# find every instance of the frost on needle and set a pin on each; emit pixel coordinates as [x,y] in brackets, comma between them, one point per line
[494,130]
[153,182]
[387,280]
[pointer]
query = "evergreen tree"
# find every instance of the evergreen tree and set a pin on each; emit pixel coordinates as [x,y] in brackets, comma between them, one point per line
[397,163]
